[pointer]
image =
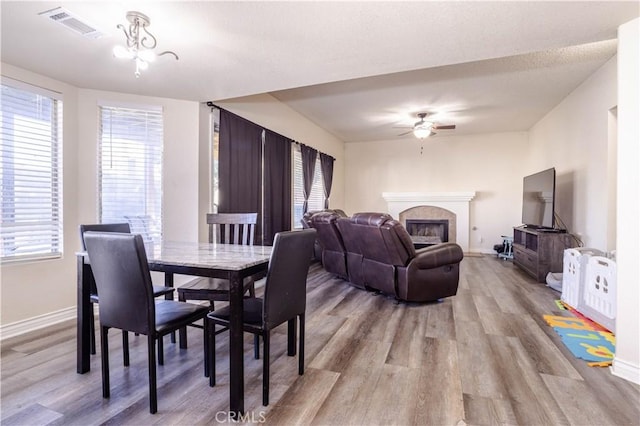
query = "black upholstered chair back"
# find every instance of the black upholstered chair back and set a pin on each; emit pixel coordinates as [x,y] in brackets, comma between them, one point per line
[122,228]
[121,271]
[285,293]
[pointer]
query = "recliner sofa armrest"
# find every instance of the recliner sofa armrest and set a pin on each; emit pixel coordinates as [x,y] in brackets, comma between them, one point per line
[437,255]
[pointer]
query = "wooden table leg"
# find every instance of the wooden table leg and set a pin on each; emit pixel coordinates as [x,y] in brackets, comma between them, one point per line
[236,349]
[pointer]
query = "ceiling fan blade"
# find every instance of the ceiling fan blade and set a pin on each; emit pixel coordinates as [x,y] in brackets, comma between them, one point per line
[405,133]
[447,127]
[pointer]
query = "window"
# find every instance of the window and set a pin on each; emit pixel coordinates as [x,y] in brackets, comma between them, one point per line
[316,198]
[130,169]
[30,172]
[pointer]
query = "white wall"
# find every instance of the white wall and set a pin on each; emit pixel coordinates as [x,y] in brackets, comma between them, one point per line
[205,199]
[627,360]
[489,164]
[574,137]
[32,289]
[267,111]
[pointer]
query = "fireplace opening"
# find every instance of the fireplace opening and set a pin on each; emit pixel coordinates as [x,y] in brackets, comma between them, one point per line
[427,232]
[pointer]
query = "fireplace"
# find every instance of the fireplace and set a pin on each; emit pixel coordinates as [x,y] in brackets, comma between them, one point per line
[426,232]
[453,206]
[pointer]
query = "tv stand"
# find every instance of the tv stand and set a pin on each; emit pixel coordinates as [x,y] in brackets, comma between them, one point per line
[541,228]
[539,251]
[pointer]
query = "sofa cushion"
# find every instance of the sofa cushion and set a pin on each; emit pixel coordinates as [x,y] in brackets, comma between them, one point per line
[333,250]
[354,254]
[398,242]
[368,218]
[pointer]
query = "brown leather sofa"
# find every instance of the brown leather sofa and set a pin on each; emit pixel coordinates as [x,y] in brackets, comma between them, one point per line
[380,256]
[428,274]
[306,223]
[355,232]
[330,239]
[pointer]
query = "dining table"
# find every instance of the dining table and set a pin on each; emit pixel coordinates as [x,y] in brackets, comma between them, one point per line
[228,261]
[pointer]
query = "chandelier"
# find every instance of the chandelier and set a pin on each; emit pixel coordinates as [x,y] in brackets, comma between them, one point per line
[140,42]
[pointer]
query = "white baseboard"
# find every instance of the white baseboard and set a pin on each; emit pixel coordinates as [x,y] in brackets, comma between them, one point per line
[626,371]
[20,327]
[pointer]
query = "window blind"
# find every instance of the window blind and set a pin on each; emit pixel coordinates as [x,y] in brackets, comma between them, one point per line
[130,169]
[316,198]
[30,173]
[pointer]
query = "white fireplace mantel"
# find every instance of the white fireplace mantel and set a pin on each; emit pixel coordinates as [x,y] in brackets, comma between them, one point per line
[456,202]
[428,196]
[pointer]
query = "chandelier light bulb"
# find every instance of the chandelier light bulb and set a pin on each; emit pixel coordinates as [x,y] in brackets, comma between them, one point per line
[122,52]
[422,131]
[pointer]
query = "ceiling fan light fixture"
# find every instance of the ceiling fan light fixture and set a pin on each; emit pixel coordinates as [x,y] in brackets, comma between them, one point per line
[423,130]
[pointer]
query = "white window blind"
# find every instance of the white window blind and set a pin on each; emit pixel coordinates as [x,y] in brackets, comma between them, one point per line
[316,198]
[30,173]
[130,169]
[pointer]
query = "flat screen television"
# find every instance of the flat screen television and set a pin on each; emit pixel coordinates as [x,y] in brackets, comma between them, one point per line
[538,199]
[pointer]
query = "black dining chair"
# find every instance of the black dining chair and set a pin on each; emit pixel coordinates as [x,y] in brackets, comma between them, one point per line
[224,228]
[93,296]
[127,302]
[284,300]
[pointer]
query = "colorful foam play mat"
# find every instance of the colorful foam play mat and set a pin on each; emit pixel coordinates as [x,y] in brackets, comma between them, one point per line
[585,339]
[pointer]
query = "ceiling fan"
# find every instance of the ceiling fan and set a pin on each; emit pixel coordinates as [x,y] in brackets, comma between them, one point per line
[423,128]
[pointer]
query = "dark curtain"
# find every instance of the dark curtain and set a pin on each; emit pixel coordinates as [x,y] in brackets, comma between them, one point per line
[277,185]
[239,166]
[308,168]
[326,162]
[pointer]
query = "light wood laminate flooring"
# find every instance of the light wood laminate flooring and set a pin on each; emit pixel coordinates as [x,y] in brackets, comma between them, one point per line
[483,357]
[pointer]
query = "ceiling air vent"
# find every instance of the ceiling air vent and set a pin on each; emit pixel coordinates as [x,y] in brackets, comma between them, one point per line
[68,20]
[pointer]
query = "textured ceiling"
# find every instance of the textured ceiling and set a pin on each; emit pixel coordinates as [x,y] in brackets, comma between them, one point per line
[355,68]
[506,94]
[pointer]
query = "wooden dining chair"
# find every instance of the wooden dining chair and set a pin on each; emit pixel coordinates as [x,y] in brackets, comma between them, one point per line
[127,302]
[93,296]
[224,228]
[285,294]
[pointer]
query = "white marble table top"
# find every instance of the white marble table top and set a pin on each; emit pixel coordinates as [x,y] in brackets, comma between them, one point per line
[228,257]
[231,257]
